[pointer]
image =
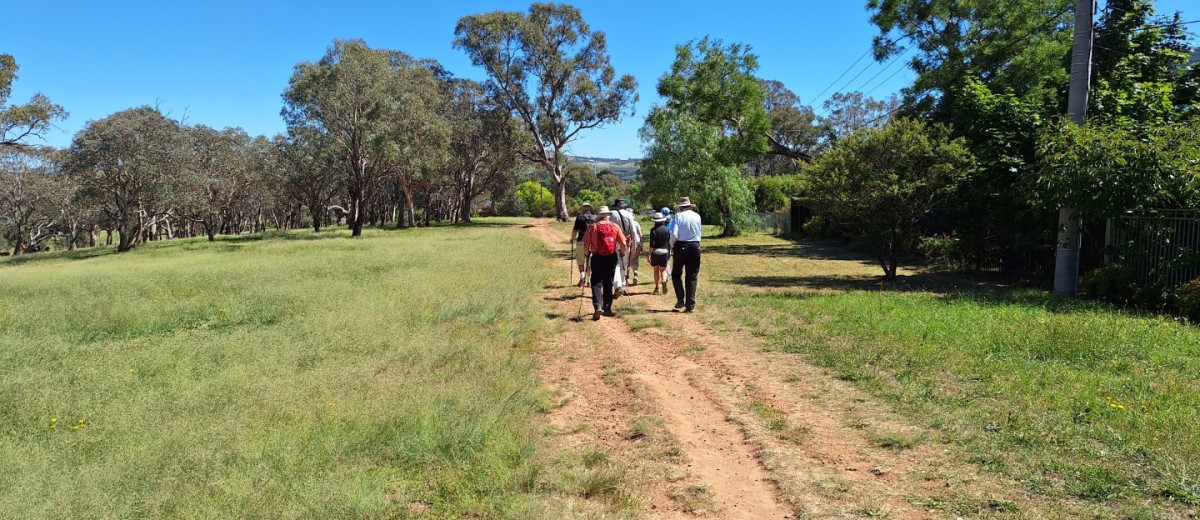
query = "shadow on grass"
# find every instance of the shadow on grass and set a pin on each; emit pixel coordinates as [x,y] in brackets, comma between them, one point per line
[78,254]
[977,288]
[814,250]
[223,243]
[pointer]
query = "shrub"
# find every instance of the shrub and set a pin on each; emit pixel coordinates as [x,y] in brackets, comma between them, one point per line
[944,252]
[1187,296]
[1111,283]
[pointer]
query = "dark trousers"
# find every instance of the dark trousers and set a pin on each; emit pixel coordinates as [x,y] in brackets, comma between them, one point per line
[687,256]
[603,270]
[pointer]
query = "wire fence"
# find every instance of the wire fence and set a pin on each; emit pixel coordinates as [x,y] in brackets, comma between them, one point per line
[775,223]
[1160,246]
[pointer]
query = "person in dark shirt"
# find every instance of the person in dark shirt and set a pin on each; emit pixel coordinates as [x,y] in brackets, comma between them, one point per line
[660,251]
[582,223]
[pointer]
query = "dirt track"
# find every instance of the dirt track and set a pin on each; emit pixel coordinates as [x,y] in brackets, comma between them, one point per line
[717,426]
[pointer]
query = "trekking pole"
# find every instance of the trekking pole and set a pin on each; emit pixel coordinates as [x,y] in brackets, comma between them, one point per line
[587,262]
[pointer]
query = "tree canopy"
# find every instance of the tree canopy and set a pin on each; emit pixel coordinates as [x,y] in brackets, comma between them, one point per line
[551,70]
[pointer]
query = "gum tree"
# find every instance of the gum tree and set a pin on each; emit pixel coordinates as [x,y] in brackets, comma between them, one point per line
[552,71]
[18,123]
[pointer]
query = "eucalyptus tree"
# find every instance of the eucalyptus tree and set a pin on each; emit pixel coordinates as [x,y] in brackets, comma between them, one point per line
[484,143]
[712,123]
[18,123]
[795,128]
[125,164]
[28,197]
[218,177]
[418,132]
[551,70]
[309,171]
[348,95]
[849,112]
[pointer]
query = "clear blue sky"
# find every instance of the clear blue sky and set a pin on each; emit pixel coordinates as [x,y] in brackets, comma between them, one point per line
[225,63]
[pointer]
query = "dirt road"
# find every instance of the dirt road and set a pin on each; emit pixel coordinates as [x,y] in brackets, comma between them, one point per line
[713,424]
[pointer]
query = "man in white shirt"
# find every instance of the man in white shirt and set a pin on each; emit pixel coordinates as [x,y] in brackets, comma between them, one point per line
[685,243]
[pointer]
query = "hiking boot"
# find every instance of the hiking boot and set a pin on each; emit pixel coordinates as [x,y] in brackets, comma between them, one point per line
[596,316]
[656,289]
[679,304]
[610,313]
[690,309]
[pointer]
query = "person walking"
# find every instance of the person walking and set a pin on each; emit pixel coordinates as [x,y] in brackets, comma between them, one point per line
[660,251]
[622,216]
[685,245]
[604,241]
[582,223]
[635,251]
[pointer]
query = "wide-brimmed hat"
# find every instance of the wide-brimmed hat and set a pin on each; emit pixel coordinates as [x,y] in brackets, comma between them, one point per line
[586,205]
[603,211]
[658,217]
[684,202]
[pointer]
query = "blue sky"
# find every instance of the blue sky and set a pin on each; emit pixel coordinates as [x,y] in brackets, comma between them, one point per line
[224,63]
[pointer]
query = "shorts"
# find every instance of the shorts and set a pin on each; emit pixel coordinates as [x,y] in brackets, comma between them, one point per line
[658,260]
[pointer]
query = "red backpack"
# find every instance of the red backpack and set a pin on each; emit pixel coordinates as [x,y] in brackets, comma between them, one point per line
[605,242]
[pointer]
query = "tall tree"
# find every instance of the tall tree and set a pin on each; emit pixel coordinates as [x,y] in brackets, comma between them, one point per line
[849,112]
[125,162]
[416,148]
[18,123]
[310,171]
[712,123]
[27,198]
[218,176]
[1015,46]
[553,72]
[1142,78]
[484,142]
[349,95]
[794,126]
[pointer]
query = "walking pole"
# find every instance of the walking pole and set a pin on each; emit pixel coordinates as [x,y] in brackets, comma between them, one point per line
[582,288]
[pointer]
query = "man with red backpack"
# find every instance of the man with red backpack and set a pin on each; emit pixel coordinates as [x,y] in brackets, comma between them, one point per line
[604,241]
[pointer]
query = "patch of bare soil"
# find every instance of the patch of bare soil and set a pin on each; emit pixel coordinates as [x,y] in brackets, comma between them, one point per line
[711,423]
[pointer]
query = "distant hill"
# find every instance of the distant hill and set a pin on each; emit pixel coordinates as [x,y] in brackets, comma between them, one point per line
[626,169]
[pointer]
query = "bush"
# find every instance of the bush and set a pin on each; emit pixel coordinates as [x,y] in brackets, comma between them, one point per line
[945,252]
[821,227]
[1187,296]
[773,193]
[1111,283]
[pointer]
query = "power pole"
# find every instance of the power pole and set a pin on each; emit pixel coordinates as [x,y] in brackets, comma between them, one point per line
[1066,262]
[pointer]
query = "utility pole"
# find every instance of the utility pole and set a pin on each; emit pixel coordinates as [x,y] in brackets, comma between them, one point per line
[1066,262]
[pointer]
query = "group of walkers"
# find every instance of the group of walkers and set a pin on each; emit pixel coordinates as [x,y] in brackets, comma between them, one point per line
[609,245]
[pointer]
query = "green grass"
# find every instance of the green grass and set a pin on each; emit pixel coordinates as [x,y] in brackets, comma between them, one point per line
[1071,398]
[298,376]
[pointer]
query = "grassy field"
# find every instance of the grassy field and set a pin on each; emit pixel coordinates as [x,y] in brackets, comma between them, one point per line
[301,375]
[1071,398]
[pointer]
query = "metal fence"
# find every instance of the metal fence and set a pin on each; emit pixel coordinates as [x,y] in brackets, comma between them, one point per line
[1161,246]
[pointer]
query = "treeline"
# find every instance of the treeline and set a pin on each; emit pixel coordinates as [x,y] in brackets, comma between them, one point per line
[374,137]
[970,166]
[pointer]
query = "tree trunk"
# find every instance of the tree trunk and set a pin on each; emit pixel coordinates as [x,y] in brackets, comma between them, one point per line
[560,194]
[315,211]
[468,194]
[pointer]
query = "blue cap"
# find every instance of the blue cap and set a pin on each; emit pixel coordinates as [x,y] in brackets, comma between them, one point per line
[666,211]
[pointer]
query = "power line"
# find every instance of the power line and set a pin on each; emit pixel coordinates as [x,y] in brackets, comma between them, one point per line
[843,74]
[887,66]
[884,82]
